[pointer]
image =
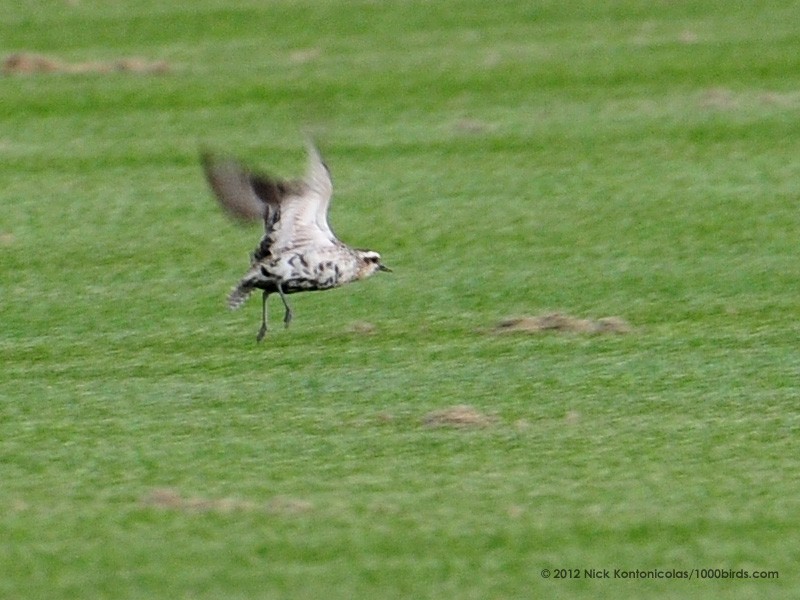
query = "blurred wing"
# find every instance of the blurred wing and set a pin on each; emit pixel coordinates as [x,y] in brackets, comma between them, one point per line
[295,213]
[233,187]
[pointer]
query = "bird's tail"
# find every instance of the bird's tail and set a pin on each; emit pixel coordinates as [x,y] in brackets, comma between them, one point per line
[239,294]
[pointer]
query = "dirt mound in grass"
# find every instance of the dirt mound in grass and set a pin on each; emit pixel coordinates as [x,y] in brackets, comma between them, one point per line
[559,322]
[460,416]
[26,63]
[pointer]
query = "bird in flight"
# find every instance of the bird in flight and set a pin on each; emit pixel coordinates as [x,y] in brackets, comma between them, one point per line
[298,252]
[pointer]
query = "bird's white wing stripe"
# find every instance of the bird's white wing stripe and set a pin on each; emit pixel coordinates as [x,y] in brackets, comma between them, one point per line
[319,180]
[304,217]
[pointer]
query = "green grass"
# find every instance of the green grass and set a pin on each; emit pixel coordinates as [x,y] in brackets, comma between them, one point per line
[629,158]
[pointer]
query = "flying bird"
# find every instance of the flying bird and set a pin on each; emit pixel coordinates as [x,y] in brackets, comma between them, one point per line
[298,252]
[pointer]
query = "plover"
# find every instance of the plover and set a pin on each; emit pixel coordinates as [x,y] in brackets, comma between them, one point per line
[298,252]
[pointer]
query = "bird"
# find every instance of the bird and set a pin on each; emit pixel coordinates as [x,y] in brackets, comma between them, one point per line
[298,251]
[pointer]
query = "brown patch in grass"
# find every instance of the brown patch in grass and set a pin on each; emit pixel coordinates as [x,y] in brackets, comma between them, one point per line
[171,499]
[141,65]
[7,238]
[362,327]
[304,55]
[719,98]
[522,425]
[26,63]
[492,59]
[471,126]
[460,416]
[288,506]
[384,417]
[781,99]
[650,34]
[559,322]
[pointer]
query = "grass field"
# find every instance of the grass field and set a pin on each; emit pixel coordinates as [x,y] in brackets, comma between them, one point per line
[626,158]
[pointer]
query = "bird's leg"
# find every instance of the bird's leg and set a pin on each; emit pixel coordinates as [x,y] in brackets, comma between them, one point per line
[263,331]
[287,317]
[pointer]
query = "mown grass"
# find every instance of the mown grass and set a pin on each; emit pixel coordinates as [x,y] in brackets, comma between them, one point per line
[626,158]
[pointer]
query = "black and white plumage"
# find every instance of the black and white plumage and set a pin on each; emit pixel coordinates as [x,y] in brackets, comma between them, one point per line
[298,252]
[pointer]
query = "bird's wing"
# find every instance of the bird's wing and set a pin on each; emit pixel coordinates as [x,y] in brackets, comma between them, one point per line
[295,213]
[302,219]
[320,186]
[233,187]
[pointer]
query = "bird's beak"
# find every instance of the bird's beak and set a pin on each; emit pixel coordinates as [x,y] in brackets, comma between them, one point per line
[384,268]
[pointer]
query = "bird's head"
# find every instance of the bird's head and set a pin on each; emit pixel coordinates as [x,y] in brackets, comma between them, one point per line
[370,263]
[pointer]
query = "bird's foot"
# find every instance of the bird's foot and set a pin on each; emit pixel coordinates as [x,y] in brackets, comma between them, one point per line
[261,332]
[287,317]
